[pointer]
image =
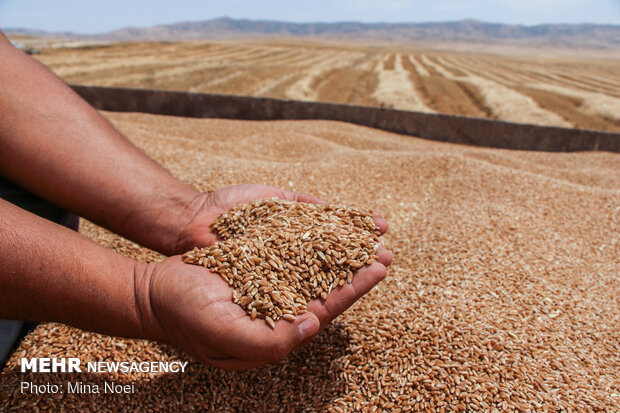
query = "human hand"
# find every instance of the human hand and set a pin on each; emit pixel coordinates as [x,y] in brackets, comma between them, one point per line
[191,308]
[198,232]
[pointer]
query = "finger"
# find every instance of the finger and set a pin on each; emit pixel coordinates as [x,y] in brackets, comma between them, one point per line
[384,256]
[380,222]
[343,297]
[300,197]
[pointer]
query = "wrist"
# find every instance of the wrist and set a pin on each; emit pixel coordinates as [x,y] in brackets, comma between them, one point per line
[149,327]
[170,218]
[196,230]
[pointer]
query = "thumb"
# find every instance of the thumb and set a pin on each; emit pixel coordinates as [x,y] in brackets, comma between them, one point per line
[256,341]
[274,346]
[307,326]
[287,335]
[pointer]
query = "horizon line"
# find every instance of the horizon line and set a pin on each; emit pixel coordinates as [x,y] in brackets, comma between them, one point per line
[314,22]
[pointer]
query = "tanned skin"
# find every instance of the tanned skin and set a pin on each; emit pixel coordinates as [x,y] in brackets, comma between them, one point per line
[55,145]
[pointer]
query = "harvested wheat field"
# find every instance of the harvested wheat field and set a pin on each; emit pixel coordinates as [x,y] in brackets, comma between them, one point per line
[569,91]
[503,294]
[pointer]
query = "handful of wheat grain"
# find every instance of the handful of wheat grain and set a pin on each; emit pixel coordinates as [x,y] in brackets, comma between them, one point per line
[277,255]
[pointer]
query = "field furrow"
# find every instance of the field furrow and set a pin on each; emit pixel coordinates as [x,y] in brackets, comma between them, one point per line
[588,85]
[584,107]
[484,70]
[308,59]
[441,62]
[366,83]
[286,57]
[508,104]
[264,57]
[193,50]
[228,55]
[434,68]
[596,81]
[124,73]
[597,104]
[214,82]
[557,76]
[304,89]
[517,74]
[97,68]
[445,95]
[554,77]
[395,88]
[570,108]
[418,67]
[262,81]
[279,91]
[353,84]
[389,62]
[271,86]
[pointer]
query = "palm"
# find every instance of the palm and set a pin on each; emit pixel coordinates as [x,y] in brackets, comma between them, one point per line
[202,300]
[193,307]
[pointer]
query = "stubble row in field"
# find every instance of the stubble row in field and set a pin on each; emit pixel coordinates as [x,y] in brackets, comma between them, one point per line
[560,92]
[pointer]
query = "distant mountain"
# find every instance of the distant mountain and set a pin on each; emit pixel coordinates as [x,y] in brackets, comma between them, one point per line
[590,36]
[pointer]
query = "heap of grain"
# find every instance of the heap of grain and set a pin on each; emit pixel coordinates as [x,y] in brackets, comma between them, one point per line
[277,255]
[502,297]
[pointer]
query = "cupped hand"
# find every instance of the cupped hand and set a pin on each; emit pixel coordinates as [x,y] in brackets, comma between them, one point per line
[198,232]
[191,308]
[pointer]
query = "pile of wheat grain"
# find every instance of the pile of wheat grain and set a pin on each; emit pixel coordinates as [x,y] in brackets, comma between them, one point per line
[278,255]
[502,296]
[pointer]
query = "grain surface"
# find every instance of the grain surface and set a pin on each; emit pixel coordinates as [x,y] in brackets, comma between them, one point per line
[503,294]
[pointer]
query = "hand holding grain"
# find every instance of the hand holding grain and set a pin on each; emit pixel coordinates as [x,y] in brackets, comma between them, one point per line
[191,308]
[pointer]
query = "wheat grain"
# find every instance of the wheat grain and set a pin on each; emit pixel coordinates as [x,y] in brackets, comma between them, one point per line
[537,230]
[279,254]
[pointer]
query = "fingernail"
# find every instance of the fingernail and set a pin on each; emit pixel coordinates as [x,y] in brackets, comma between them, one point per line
[308,327]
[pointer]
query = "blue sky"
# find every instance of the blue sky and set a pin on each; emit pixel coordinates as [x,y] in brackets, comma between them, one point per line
[95,16]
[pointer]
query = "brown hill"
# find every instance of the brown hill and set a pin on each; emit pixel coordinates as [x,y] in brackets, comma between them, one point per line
[590,36]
